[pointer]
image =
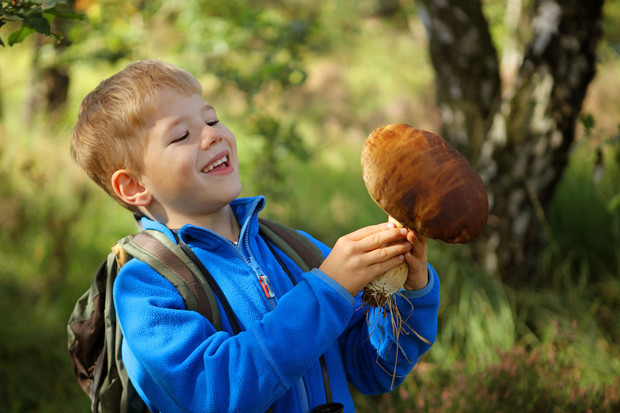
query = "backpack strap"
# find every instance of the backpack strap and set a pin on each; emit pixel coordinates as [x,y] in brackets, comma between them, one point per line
[299,248]
[168,259]
[213,286]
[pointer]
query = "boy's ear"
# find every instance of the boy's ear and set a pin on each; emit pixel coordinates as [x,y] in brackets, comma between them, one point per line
[128,188]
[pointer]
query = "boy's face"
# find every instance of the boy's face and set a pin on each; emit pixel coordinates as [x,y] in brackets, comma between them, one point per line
[191,167]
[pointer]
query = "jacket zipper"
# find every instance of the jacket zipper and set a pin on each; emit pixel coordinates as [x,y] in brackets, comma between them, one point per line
[265,285]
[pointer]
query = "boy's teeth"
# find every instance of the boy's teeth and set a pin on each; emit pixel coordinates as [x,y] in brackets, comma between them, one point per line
[215,164]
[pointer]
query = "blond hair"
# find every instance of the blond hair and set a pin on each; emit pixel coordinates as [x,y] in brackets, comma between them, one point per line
[110,132]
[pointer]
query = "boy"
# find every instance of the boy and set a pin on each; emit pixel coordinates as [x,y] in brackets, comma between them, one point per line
[149,139]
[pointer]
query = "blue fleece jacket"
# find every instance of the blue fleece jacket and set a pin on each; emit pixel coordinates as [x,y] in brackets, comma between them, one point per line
[178,362]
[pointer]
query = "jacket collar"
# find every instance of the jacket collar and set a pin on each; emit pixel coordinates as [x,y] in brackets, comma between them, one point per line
[245,209]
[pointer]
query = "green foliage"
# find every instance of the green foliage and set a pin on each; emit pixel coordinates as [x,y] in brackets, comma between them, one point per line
[35,376]
[34,16]
[585,227]
[611,46]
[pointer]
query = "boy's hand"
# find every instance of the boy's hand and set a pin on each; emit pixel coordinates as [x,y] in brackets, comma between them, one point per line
[416,260]
[360,256]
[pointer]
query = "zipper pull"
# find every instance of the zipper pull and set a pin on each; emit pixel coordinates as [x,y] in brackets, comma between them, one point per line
[264,283]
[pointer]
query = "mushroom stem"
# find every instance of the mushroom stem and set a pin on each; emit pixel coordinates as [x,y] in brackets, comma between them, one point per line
[378,292]
[394,221]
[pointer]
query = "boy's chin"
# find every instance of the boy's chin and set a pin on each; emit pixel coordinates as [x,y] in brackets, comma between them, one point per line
[229,196]
[238,190]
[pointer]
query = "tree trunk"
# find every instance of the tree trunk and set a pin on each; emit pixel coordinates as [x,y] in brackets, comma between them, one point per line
[518,133]
[467,71]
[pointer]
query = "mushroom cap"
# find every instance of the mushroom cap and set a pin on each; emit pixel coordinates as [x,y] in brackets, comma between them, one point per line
[423,182]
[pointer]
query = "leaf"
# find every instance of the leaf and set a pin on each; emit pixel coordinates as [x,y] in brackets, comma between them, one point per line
[66,15]
[38,23]
[20,34]
[587,120]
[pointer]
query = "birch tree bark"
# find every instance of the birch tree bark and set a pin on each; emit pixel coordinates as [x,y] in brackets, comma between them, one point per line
[517,130]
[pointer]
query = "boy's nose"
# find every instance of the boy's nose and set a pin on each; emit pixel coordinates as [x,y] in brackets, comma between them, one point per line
[210,136]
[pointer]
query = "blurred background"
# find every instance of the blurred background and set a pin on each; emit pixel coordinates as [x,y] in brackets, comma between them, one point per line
[527,90]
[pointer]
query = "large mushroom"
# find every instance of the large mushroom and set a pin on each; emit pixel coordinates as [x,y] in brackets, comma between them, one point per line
[423,183]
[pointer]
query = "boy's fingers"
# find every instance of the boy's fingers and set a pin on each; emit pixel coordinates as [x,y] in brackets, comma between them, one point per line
[414,236]
[381,267]
[383,238]
[387,252]
[417,241]
[375,236]
[370,230]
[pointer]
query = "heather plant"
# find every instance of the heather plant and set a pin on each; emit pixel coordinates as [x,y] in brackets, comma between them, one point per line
[541,379]
[544,378]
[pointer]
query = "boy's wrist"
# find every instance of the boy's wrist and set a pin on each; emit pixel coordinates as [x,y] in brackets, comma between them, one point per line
[334,284]
[418,283]
[413,294]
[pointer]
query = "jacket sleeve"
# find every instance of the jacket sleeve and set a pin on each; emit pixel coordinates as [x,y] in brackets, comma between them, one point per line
[378,353]
[181,363]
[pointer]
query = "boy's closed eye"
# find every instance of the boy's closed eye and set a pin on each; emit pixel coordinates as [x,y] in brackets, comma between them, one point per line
[186,134]
[180,138]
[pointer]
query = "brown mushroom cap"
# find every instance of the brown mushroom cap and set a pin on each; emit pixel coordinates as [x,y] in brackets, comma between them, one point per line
[425,183]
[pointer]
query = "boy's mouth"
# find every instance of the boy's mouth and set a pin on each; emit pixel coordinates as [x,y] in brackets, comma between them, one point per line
[221,162]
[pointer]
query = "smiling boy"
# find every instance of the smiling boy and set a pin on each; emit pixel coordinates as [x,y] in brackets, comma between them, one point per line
[150,140]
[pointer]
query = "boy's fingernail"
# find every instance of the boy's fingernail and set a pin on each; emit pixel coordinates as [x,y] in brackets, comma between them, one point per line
[403,231]
[389,225]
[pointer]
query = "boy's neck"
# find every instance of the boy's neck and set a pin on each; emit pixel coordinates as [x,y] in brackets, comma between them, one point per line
[223,222]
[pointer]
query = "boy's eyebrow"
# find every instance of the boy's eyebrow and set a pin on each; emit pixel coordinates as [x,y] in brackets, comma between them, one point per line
[205,108]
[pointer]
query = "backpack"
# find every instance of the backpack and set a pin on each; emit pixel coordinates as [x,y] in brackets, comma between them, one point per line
[94,336]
